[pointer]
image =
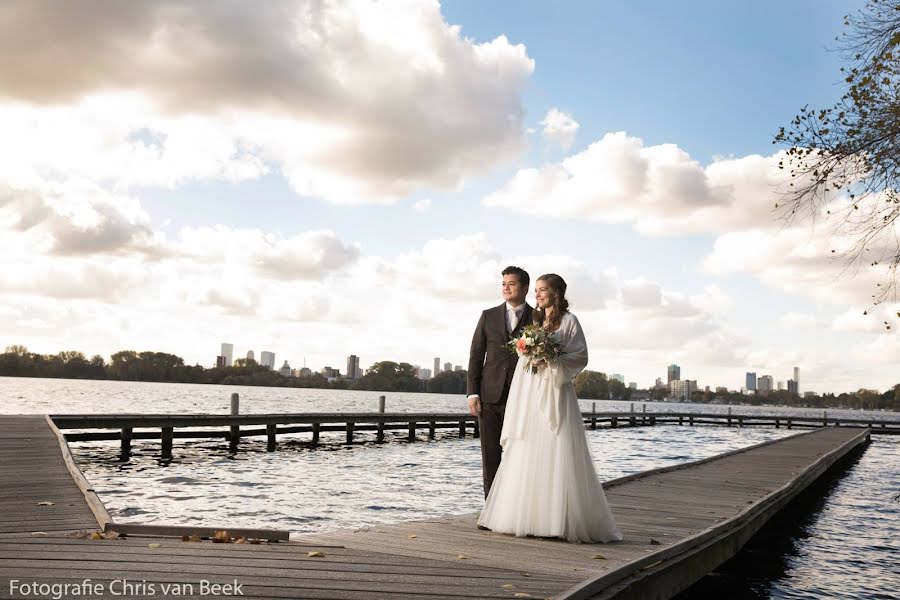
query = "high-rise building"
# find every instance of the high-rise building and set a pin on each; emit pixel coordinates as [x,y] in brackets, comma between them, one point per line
[457,367]
[751,381]
[632,385]
[618,377]
[437,366]
[780,385]
[285,369]
[797,376]
[448,367]
[228,353]
[674,373]
[250,355]
[220,361]
[424,374]
[765,384]
[792,387]
[681,389]
[659,383]
[353,367]
[267,359]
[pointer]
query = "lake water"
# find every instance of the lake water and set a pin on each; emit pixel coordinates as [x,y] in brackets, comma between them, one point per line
[843,541]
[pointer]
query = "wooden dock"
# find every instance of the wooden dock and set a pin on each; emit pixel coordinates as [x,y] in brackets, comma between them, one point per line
[679,523]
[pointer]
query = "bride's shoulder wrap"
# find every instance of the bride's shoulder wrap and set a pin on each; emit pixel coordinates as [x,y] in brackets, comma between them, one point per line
[552,387]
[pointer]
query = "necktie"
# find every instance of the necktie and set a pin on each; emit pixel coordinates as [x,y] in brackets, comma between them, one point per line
[513,319]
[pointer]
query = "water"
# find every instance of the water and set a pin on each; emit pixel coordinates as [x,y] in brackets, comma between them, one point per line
[841,542]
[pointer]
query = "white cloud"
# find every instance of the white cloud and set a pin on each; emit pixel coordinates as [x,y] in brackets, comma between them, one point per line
[354,102]
[422,205]
[560,128]
[795,320]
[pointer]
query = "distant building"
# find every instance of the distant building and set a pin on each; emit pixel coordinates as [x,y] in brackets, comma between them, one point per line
[250,355]
[447,367]
[751,381]
[765,384]
[267,359]
[619,377]
[780,385]
[674,372]
[228,353]
[424,374]
[330,373]
[681,389]
[632,385]
[659,383]
[437,366]
[305,372]
[220,361]
[797,376]
[721,389]
[353,367]
[457,368]
[792,387]
[808,394]
[285,369]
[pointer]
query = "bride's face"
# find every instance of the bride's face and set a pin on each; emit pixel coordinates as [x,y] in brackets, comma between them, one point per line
[543,295]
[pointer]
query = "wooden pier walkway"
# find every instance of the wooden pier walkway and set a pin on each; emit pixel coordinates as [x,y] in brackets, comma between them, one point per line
[679,523]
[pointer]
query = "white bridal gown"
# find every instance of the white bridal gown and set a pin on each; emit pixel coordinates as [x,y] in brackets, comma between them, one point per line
[546,485]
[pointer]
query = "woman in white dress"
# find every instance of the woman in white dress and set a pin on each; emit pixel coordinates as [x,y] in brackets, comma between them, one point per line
[547,485]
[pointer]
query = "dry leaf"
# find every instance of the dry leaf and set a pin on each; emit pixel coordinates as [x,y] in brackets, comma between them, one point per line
[599,557]
[314,554]
[153,545]
[96,536]
[654,542]
[413,536]
[46,503]
[111,535]
[462,557]
[521,595]
[240,541]
[508,586]
[256,541]
[526,574]
[38,533]
[185,538]
[221,537]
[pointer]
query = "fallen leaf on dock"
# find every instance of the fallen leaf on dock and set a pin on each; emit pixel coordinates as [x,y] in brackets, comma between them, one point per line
[221,537]
[96,536]
[599,557]
[412,536]
[38,533]
[111,535]
[256,541]
[462,557]
[521,595]
[153,545]
[314,554]
[240,540]
[45,503]
[508,586]
[526,574]
[654,542]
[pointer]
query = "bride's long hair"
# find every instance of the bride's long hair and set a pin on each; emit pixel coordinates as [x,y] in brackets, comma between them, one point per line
[560,305]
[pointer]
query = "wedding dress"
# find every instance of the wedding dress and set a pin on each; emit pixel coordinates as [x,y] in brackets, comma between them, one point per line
[547,485]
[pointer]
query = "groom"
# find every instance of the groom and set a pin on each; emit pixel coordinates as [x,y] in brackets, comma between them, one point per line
[491,366]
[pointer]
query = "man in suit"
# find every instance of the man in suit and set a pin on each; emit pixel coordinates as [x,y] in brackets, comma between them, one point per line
[491,366]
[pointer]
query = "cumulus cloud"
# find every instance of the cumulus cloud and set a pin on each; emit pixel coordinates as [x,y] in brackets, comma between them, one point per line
[355,102]
[660,190]
[422,205]
[560,128]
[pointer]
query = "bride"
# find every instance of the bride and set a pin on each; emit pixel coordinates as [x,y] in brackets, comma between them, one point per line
[546,485]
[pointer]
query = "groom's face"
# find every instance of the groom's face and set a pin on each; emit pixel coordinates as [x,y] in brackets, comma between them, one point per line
[513,290]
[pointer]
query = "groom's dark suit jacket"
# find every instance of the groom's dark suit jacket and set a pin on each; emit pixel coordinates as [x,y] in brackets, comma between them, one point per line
[491,365]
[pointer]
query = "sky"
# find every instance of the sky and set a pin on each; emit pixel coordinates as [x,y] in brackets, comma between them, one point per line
[320,179]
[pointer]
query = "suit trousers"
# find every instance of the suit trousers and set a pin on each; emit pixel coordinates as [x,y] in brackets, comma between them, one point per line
[490,424]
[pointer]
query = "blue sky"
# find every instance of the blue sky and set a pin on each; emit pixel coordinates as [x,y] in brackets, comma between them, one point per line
[350,178]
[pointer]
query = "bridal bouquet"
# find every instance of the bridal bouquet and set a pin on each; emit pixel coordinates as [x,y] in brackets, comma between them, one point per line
[535,345]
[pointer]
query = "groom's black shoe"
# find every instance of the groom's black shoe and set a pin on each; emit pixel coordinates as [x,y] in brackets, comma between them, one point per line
[482,527]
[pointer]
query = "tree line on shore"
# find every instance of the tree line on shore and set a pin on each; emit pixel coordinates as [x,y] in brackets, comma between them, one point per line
[383,376]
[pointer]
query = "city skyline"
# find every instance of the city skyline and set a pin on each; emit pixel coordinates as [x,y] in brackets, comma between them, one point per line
[365,191]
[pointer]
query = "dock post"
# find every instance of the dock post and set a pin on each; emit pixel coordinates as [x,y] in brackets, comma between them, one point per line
[235,410]
[824,418]
[789,423]
[652,420]
[476,430]
[315,435]
[777,423]
[729,416]
[631,419]
[381,404]
[167,435]
[593,415]
[126,442]
[349,432]
[741,422]
[379,435]
[432,425]
[271,428]
[691,420]
[681,419]
[644,413]
[614,422]
[462,429]
[412,431]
